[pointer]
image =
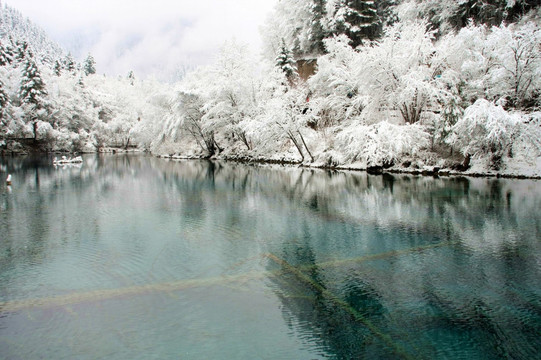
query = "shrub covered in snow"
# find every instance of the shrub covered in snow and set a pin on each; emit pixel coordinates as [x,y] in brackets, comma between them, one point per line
[381,144]
[487,130]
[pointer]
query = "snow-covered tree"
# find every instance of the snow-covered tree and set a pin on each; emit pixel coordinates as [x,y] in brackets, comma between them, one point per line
[4,100]
[381,144]
[9,49]
[69,64]
[4,60]
[381,93]
[57,68]
[516,75]
[227,89]
[492,13]
[32,90]
[89,66]
[131,77]
[387,12]
[188,117]
[317,31]
[292,21]
[498,64]
[286,63]
[337,94]
[32,93]
[357,19]
[402,73]
[104,112]
[487,130]
[445,16]
[284,121]
[22,51]
[15,28]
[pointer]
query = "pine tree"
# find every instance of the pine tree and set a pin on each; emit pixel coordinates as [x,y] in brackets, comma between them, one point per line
[22,51]
[80,82]
[285,62]
[57,68]
[357,19]
[444,15]
[3,56]
[317,30]
[32,90]
[10,53]
[4,100]
[89,65]
[386,13]
[131,77]
[69,64]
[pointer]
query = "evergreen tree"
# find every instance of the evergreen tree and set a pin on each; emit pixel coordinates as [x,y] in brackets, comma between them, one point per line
[4,100]
[80,82]
[386,13]
[57,68]
[3,56]
[285,62]
[131,77]
[317,30]
[9,49]
[22,51]
[491,12]
[32,90]
[89,65]
[69,64]
[357,19]
[447,15]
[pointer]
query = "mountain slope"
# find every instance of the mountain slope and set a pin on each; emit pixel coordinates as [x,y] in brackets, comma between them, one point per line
[19,28]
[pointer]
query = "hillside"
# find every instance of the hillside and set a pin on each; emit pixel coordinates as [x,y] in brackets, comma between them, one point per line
[51,102]
[14,27]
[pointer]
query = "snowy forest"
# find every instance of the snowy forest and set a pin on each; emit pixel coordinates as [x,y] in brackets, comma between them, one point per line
[408,85]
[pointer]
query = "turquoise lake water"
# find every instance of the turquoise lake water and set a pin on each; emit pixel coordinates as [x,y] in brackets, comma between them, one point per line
[134,257]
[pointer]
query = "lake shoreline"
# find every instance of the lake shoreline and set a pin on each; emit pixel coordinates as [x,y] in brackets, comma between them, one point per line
[429,171]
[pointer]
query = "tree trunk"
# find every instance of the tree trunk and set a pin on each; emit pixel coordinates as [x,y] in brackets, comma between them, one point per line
[217,146]
[35,127]
[297,145]
[306,146]
[242,136]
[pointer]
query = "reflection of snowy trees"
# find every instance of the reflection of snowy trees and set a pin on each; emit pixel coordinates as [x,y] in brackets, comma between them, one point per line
[478,232]
[388,203]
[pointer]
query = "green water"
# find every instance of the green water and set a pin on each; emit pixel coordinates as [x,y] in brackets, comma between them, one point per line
[133,257]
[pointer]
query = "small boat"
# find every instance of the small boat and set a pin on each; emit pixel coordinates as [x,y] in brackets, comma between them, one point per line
[66,160]
[8,180]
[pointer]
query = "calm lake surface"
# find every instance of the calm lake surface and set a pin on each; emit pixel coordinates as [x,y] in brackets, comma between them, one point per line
[133,257]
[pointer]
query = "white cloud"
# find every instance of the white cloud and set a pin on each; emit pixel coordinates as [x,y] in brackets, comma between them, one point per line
[149,37]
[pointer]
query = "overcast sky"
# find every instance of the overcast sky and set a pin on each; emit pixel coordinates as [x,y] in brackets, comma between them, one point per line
[148,36]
